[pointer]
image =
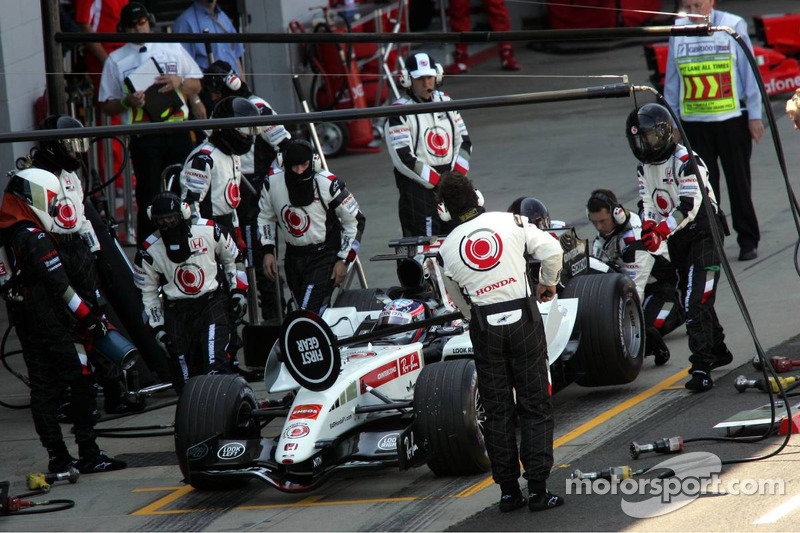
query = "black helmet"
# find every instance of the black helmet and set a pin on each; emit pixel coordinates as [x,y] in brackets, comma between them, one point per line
[166,211]
[235,140]
[650,133]
[220,77]
[62,154]
[532,208]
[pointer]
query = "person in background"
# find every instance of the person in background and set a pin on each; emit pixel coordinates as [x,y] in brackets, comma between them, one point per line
[721,118]
[205,16]
[507,334]
[150,153]
[497,13]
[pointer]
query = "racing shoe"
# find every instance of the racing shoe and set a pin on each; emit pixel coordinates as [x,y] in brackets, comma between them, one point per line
[99,462]
[700,382]
[61,463]
[507,59]
[722,360]
[542,501]
[512,501]
[460,63]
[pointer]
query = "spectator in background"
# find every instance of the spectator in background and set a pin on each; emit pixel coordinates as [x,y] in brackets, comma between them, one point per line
[150,153]
[792,108]
[205,15]
[497,14]
[721,121]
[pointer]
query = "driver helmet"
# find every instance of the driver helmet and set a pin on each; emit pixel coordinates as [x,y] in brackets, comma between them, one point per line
[650,133]
[400,312]
[39,189]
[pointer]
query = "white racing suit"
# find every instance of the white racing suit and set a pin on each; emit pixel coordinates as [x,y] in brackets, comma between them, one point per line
[194,310]
[317,235]
[486,257]
[422,147]
[671,194]
[210,182]
[653,274]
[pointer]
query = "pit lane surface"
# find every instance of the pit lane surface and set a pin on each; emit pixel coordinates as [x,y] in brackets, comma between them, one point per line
[558,153]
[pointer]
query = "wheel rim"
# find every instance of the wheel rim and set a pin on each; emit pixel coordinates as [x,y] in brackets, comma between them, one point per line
[631,329]
[330,138]
[245,426]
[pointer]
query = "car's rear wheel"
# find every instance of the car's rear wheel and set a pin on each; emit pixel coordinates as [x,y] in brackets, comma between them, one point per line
[449,416]
[611,326]
[209,406]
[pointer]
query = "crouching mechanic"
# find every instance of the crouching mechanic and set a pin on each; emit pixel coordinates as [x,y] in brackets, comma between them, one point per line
[485,255]
[424,145]
[49,320]
[619,245]
[182,259]
[321,222]
[673,211]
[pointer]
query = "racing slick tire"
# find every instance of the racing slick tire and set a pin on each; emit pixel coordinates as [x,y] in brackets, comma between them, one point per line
[448,417]
[333,137]
[208,406]
[361,299]
[612,329]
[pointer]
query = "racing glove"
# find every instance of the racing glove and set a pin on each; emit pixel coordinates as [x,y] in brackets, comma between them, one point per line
[654,234]
[164,341]
[238,304]
[94,326]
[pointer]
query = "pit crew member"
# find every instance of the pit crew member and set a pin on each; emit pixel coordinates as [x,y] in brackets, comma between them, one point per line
[673,210]
[321,222]
[49,321]
[423,146]
[485,255]
[182,259]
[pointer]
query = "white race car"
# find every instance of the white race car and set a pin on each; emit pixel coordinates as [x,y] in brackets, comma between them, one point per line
[356,392]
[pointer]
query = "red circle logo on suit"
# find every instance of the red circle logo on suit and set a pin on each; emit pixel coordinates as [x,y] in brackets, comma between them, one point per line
[232,194]
[189,278]
[296,220]
[67,217]
[438,141]
[481,249]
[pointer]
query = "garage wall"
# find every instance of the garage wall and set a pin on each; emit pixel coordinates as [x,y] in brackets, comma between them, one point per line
[22,80]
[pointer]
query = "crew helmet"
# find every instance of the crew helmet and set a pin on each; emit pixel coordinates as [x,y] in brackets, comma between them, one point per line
[39,189]
[63,153]
[650,133]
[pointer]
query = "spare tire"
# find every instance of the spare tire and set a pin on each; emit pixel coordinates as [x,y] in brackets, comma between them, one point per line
[612,330]
[361,299]
[209,406]
[449,417]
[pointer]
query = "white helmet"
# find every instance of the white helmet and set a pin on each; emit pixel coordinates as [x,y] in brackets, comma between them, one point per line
[39,189]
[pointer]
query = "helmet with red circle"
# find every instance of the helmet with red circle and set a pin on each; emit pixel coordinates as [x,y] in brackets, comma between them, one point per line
[400,312]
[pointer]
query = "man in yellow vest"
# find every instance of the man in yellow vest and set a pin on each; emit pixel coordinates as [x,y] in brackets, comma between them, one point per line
[177,73]
[710,84]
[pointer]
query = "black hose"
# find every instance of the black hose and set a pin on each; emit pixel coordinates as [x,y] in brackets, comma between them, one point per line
[118,173]
[21,377]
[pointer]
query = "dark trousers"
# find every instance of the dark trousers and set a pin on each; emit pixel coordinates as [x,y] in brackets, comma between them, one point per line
[507,358]
[730,142]
[200,329]
[662,306]
[150,154]
[308,274]
[417,209]
[51,369]
[692,252]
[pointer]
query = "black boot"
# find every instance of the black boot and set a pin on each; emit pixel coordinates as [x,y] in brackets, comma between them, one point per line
[512,498]
[60,459]
[99,462]
[543,500]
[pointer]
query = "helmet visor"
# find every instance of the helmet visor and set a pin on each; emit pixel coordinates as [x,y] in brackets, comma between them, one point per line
[78,146]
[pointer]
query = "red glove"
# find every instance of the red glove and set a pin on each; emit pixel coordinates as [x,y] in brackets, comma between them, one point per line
[654,234]
[652,240]
[648,225]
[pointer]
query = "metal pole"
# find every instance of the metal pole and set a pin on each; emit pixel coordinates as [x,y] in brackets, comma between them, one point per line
[53,60]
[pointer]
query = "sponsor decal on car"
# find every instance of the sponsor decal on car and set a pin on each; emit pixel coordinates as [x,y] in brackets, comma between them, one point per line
[231,450]
[379,376]
[388,443]
[290,446]
[296,431]
[310,411]
[409,363]
[197,452]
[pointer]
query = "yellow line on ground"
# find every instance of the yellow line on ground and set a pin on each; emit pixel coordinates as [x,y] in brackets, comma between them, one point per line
[166,500]
[313,501]
[591,424]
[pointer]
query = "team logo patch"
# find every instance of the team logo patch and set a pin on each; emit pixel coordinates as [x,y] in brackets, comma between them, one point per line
[437,141]
[306,411]
[296,431]
[296,220]
[481,249]
[663,202]
[233,195]
[67,216]
[189,278]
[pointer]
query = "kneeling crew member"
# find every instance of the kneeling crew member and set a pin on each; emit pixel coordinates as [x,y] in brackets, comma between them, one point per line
[485,255]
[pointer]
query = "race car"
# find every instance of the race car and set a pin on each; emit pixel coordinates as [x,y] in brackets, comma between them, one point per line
[385,378]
